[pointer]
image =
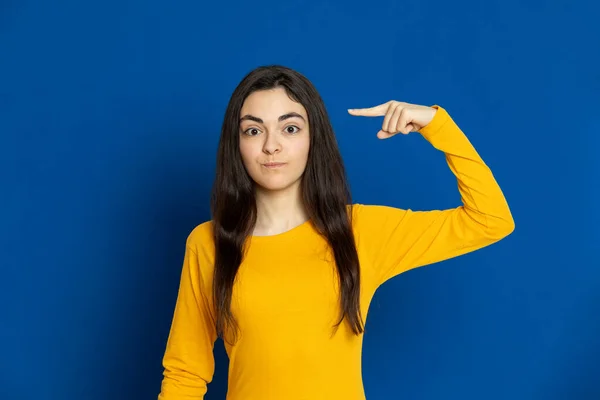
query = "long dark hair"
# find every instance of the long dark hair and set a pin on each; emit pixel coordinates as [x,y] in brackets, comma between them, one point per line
[324,187]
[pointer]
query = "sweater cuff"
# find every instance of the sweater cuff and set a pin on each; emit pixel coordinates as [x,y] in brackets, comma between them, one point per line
[440,118]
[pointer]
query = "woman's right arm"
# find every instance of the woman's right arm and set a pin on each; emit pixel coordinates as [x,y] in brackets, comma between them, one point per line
[188,360]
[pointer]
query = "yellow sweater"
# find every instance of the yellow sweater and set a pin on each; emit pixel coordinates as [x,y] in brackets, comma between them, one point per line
[286,297]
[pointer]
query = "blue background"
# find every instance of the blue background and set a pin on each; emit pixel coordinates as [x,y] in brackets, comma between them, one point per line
[109,120]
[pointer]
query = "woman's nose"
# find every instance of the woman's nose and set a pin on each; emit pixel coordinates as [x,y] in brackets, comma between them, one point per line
[272,143]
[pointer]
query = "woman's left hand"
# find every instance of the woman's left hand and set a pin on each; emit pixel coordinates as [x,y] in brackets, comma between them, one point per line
[399,117]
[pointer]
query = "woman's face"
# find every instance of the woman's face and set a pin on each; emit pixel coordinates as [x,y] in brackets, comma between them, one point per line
[274,139]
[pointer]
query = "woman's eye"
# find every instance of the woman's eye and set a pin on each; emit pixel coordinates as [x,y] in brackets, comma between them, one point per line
[290,129]
[252,131]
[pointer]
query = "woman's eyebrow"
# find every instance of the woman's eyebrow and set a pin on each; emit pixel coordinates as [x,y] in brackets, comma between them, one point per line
[281,118]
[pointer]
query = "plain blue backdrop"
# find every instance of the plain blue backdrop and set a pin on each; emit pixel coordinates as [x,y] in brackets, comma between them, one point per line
[109,120]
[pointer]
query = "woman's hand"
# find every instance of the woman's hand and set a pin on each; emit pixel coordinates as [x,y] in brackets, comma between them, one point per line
[399,117]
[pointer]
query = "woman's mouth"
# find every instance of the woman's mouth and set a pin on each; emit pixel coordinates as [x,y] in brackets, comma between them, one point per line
[273,165]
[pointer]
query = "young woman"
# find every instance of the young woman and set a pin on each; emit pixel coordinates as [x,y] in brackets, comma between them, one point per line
[285,270]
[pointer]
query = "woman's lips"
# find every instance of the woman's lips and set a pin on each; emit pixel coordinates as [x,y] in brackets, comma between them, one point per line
[274,165]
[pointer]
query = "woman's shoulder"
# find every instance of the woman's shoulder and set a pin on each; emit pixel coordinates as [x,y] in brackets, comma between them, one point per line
[201,237]
[370,219]
[361,211]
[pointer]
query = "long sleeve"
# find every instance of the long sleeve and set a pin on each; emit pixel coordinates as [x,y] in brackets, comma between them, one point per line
[188,360]
[397,240]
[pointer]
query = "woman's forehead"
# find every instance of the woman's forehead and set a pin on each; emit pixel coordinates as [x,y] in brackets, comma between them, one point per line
[271,105]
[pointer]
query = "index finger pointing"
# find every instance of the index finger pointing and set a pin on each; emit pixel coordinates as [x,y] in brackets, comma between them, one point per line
[376,111]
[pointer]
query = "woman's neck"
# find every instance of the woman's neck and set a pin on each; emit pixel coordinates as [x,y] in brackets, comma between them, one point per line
[279,211]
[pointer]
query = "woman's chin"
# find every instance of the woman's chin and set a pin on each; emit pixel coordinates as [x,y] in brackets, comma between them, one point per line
[276,185]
